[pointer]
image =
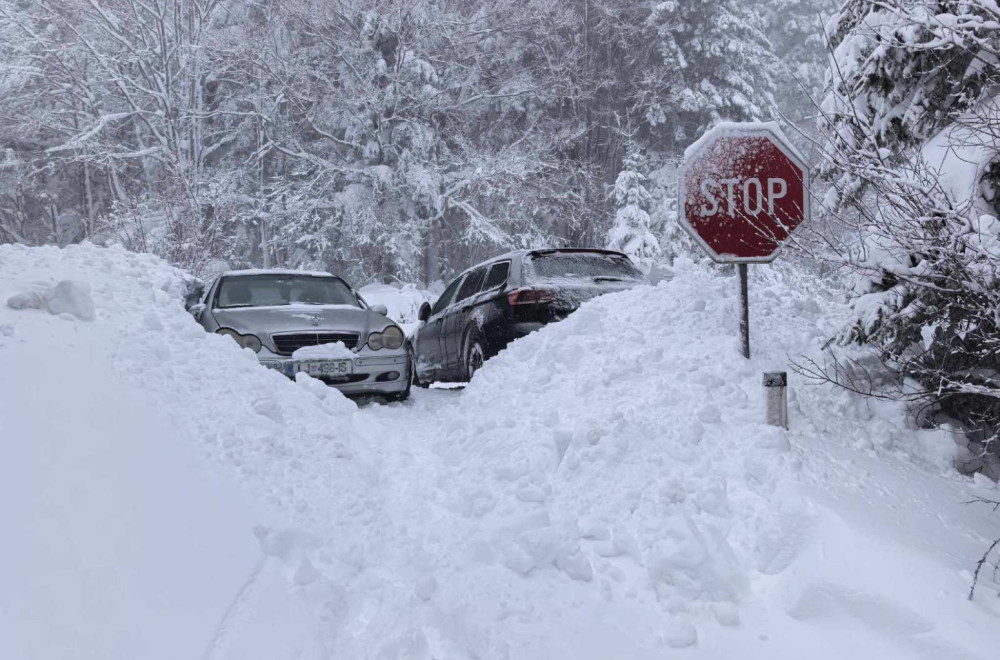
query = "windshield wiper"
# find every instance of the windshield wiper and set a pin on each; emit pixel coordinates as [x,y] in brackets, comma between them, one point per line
[608,278]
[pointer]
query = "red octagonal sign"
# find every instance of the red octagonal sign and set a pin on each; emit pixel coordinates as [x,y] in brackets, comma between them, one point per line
[744,190]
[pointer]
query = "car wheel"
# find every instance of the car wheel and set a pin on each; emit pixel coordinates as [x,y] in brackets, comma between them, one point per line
[474,358]
[400,396]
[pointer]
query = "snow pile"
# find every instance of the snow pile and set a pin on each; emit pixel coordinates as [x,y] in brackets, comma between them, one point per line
[603,489]
[336,351]
[610,491]
[122,540]
[403,302]
[66,297]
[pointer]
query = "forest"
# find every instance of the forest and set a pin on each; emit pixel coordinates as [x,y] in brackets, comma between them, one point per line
[389,140]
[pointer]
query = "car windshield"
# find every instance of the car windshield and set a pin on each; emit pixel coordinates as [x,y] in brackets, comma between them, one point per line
[595,266]
[268,290]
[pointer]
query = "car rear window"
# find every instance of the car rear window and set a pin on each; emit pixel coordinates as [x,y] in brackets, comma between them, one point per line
[272,290]
[497,276]
[581,265]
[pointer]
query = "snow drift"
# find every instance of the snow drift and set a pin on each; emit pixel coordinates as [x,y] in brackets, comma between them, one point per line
[603,488]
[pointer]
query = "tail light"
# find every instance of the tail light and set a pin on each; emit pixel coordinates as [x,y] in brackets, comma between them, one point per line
[529,296]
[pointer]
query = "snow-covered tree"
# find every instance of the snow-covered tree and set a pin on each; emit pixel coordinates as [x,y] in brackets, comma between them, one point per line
[912,118]
[630,232]
[719,66]
[795,30]
[391,139]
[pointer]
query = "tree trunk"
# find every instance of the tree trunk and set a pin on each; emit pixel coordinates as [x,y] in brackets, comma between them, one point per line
[432,265]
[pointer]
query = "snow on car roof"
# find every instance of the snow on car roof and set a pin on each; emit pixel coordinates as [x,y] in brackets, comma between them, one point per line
[520,253]
[277,271]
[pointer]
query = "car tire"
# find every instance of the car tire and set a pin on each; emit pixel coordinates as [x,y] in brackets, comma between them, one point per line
[400,396]
[474,357]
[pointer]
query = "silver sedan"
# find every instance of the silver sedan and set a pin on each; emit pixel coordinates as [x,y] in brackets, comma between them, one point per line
[313,323]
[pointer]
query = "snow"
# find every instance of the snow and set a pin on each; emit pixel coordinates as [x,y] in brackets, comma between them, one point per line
[603,488]
[402,302]
[726,129]
[305,311]
[275,271]
[335,351]
[959,154]
[116,543]
[66,297]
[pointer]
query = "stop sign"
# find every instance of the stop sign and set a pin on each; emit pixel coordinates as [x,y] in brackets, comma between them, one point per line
[743,191]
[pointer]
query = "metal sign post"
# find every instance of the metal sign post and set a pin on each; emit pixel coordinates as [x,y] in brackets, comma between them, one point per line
[743,191]
[744,312]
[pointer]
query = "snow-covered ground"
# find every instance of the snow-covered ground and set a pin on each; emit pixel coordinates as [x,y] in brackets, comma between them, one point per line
[603,489]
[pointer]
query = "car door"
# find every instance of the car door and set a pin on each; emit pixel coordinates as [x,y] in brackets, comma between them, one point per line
[428,345]
[455,319]
[206,318]
[491,308]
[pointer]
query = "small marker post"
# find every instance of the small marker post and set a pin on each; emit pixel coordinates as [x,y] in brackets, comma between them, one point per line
[776,399]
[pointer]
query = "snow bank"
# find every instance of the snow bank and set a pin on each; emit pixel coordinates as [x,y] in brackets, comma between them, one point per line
[403,302]
[610,491]
[121,539]
[67,297]
[603,489]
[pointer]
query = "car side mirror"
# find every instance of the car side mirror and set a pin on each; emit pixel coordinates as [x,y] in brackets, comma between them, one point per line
[425,312]
[380,309]
[197,311]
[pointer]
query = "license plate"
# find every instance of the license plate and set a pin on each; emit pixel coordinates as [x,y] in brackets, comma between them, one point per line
[326,367]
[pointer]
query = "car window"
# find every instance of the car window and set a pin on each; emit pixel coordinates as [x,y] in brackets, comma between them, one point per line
[271,290]
[582,266]
[497,276]
[471,284]
[446,297]
[210,292]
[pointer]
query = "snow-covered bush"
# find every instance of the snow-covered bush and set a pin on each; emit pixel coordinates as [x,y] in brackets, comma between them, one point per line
[914,131]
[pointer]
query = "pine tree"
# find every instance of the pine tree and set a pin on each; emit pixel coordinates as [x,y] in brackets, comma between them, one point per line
[795,29]
[720,66]
[630,232]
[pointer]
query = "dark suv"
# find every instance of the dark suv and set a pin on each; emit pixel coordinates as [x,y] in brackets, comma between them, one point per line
[500,300]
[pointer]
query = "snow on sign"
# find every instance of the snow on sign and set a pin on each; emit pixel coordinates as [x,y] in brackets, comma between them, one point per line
[744,191]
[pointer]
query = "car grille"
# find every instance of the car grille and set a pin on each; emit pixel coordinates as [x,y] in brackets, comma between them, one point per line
[288,344]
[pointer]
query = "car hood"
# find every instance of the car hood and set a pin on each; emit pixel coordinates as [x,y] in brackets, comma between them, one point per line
[264,321]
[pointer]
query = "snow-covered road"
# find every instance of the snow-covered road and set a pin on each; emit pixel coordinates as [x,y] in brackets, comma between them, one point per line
[603,489]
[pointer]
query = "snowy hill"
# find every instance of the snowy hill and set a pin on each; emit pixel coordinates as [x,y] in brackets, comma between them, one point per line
[603,489]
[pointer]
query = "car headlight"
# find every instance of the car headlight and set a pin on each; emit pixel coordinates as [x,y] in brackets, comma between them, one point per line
[245,341]
[391,338]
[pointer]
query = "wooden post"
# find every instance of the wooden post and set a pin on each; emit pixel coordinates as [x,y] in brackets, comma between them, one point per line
[776,399]
[744,312]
